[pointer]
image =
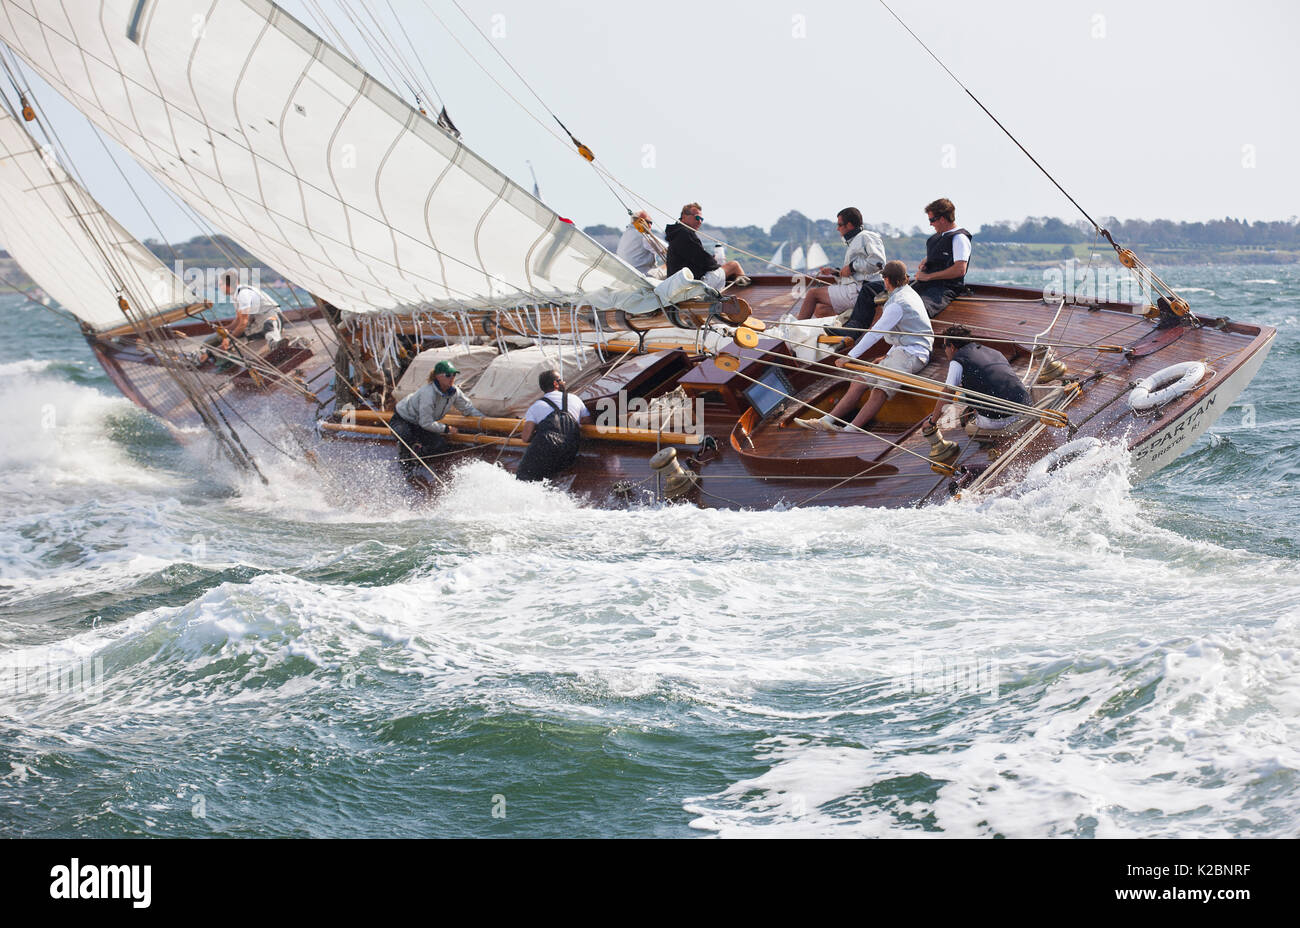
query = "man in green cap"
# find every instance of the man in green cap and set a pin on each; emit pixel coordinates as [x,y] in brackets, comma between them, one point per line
[415,420]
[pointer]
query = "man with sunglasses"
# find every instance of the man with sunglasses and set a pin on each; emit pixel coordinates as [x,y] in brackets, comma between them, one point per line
[864,256]
[416,419]
[686,251]
[641,248]
[941,276]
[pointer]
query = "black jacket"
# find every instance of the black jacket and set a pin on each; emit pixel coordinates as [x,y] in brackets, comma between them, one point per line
[685,250]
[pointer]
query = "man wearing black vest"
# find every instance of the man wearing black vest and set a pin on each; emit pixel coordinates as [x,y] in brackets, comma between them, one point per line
[941,276]
[551,428]
[981,369]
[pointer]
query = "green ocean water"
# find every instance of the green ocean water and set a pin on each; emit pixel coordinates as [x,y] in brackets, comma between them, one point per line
[1096,660]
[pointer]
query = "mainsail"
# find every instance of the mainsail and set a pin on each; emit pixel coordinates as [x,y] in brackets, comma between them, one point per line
[776,263]
[817,257]
[293,151]
[65,241]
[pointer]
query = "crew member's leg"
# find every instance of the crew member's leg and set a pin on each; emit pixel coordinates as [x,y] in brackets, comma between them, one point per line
[816,302]
[936,295]
[896,360]
[864,311]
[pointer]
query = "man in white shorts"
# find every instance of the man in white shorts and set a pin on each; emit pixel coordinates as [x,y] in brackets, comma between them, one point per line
[863,260]
[905,326]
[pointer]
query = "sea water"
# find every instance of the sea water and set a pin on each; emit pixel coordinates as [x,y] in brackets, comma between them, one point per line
[186,652]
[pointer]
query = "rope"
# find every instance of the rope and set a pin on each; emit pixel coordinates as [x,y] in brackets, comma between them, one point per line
[935,389]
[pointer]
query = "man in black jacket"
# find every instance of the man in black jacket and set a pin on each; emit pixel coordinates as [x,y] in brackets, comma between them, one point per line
[685,250]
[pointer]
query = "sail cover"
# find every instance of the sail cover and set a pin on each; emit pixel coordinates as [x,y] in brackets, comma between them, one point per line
[293,151]
[65,241]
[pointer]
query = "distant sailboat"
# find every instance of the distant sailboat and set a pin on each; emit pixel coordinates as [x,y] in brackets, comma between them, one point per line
[816,257]
[778,260]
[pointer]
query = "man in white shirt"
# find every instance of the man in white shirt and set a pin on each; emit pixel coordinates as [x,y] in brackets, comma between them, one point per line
[863,259]
[257,315]
[640,248]
[905,326]
[941,276]
[551,428]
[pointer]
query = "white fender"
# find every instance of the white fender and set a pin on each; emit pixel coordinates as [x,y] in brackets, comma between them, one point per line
[1069,452]
[1181,378]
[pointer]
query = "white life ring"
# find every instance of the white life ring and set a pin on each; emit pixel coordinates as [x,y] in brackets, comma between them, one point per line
[1184,378]
[1068,453]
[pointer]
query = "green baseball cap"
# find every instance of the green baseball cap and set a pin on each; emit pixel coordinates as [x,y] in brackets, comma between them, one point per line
[445,367]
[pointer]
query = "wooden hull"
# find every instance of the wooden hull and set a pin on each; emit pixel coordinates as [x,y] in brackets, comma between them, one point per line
[762,461]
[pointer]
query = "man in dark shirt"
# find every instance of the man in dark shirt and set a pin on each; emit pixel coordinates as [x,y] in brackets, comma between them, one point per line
[685,251]
[980,369]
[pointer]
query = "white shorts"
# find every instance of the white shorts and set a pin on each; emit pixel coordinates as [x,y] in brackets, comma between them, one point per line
[982,423]
[843,296]
[716,278]
[901,360]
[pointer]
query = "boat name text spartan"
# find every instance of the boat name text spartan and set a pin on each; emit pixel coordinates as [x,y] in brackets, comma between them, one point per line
[1172,442]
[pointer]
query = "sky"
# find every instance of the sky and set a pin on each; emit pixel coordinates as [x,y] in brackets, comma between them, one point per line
[1141,109]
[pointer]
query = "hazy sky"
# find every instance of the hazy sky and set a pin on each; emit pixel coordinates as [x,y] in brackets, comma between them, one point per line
[1140,109]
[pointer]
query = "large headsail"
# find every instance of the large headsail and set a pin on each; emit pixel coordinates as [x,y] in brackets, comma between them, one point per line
[65,241]
[290,149]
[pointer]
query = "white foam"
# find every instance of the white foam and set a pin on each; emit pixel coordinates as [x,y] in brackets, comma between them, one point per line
[57,434]
[26,366]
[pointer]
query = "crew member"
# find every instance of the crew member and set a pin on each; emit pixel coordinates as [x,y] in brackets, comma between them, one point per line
[941,276]
[980,369]
[416,419]
[905,326]
[552,429]
[640,247]
[257,315]
[863,259]
[685,250]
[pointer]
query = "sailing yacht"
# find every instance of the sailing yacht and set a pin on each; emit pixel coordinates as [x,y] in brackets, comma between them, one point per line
[422,251]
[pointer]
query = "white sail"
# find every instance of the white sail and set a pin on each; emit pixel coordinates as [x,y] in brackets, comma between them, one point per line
[777,263]
[290,149]
[65,241]
[817,257]
[796,259]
